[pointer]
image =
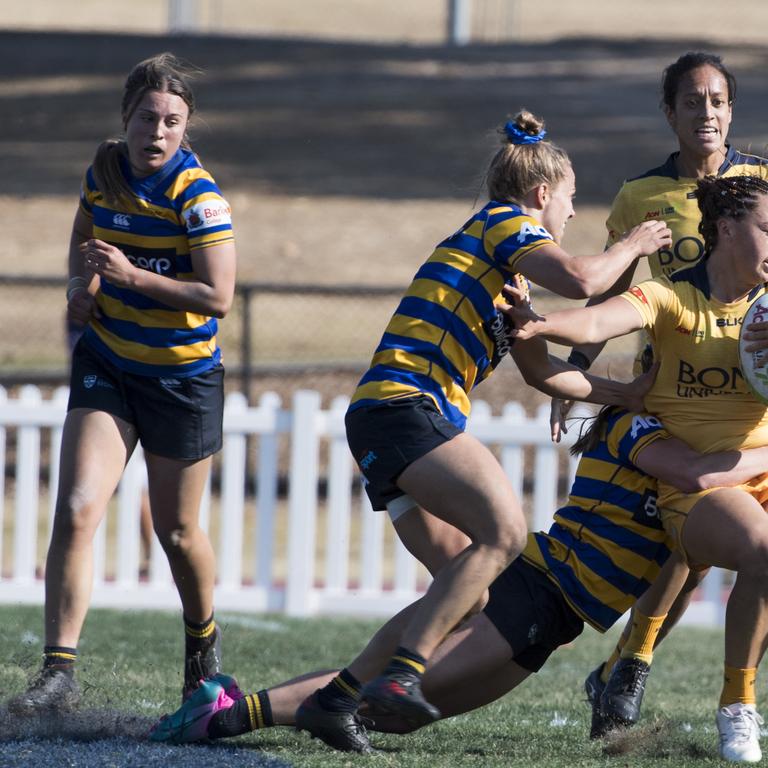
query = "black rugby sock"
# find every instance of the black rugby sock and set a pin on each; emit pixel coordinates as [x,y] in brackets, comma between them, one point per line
[250,713]
[406,661]
[198,636]
[60,657]
[342,694]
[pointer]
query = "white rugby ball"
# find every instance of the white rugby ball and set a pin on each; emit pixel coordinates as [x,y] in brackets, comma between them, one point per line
[753,364]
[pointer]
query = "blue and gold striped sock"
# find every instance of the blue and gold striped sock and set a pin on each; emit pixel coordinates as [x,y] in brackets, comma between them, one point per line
[250,713]
[59,657]
[342,694]
[406,661]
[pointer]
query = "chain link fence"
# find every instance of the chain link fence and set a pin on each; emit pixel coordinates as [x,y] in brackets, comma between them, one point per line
[272,330]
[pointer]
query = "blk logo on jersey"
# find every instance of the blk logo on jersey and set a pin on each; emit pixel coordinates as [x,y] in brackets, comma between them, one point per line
[121,221]
[211,213]
[638,294]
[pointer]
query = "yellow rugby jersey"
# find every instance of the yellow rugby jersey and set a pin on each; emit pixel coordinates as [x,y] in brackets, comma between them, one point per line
[662,194]
[174,211]
[607,543]
[699,392]
[446,335]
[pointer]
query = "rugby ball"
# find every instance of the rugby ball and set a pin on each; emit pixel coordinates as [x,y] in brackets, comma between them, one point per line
[753,364]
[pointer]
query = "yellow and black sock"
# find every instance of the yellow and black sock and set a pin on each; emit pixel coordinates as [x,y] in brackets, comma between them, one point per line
[250,713]
[198,636]
[60,657]
[342,694]
[406,661]
[642,637]
[738,686]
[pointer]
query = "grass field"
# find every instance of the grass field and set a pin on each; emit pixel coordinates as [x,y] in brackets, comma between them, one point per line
[130,669]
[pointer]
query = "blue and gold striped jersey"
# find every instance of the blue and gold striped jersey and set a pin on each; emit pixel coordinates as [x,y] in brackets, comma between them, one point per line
[446,335]
[662,194]
[172,212]
[607,543]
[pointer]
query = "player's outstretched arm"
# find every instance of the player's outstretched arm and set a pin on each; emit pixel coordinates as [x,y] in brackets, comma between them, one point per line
[560,379]
[586,325]
[579,277]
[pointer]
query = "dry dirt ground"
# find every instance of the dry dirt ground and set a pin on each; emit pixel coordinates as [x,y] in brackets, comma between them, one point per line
[344,163]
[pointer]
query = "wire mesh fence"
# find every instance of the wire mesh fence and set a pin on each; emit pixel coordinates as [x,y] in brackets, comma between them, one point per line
[272,329]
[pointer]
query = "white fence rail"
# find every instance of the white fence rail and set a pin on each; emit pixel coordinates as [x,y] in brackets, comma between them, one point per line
[305,557]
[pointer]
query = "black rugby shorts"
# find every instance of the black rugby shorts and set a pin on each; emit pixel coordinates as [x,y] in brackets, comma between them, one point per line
[387,437]
[178,418]
[531,614]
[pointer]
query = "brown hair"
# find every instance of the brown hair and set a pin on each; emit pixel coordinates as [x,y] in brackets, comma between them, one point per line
[162,72]
[732,197]
[589,439]
[517,168]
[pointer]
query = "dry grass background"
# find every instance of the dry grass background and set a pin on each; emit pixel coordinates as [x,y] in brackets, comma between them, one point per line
[346,138]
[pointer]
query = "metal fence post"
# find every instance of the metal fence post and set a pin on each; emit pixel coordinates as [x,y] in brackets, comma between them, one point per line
[245,344]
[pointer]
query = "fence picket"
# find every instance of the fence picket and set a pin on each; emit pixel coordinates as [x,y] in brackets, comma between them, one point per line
[266,489]
[306,425]
[302,504]
[233,473]
[339,502]
[128,504]
[27,490]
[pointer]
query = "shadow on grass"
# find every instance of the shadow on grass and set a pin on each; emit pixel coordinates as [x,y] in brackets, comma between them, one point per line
[105,736]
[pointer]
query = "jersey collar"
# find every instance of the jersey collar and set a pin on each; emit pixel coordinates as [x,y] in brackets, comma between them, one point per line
[146,185]
[670,165]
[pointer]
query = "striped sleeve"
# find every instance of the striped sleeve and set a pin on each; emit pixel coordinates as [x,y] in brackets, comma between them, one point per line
[510,235]
[206,215]
[632,432]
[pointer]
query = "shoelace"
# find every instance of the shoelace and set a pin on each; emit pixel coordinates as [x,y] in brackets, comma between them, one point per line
[195,665]
[356,725]
[632,677]
[743,723]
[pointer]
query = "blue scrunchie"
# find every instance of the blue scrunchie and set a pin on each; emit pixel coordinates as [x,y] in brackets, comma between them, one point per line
[518,136]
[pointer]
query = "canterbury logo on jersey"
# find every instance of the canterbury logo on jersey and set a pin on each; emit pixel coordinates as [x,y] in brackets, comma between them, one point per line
[121,221]
[528,230]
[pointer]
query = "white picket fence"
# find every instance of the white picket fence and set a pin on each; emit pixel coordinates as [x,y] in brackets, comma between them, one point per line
[300,591]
